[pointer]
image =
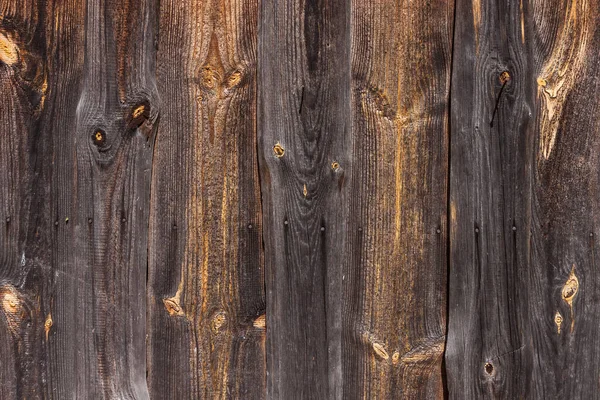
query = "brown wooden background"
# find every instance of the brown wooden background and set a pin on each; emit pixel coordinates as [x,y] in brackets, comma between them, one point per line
[299,199]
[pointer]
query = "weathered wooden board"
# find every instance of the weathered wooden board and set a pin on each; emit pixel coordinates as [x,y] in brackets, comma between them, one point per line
[206,283]
[354,173]
[488,354]
[23,91]
[317,199]
[523,302]
[77,173]
[305,143]
[394,305]
[564,278]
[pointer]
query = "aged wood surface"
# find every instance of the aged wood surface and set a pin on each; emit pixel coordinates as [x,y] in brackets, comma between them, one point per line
[75,196]
[523,282]
[394,306]
[305,145]
[206,281]
[299,199]
[564,285]
[487,353]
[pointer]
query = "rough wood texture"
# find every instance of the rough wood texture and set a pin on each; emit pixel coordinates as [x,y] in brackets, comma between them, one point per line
[487,353]
[564,285]
[523,201]
[429,213]
[395,296]
[206,281]
[354,151]
[73,279]
[305,144]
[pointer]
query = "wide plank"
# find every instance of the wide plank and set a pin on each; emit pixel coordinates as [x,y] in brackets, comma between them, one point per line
[305,142]
[395,272]
[563,289]
[489,353]
[206,333]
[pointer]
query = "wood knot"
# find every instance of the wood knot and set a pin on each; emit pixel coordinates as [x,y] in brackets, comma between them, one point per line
[172,306]
[234,79]
[260,322]
[379,349]
[48,325]
[210,77]
[504,77]
[558,319]
[570,287]
[11,302]
[335,165]
[139,117]
[218,321]
[138,111]
[489,368]
[569,291]
[99,138]
[14,307]
[9,52]
[381,103]
[278,150]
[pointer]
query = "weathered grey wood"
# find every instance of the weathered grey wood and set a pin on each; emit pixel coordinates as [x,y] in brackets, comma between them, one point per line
[489,351]
[425,170]
[564,285]
[206,282]
[74,275]
[23,73]
[304,149]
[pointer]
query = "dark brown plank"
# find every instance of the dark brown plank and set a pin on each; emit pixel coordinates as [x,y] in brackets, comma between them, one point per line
[101,196]
[489,352]
[206,292]
[73,291]
[304,148]
[395,297]
[565,207]
[25,164]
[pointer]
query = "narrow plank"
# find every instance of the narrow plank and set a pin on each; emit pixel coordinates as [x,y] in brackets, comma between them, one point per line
[24,276]
[73,294]
[100,176]
[206,282]
[489,352]
[564,240]
[305,144]
[395,295]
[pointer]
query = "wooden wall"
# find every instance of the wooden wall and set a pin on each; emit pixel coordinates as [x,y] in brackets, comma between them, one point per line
[299,199]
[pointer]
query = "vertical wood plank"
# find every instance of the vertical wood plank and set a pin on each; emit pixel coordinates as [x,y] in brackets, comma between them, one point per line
[489,351]
[73,292]
[101,191]
[206,280]
[564,275]
[23,73]
[304,149]
[395,304]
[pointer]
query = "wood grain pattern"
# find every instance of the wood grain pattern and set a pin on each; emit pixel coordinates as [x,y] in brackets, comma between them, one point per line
[102,202]
[299,199]
[488,353]
[75,255]
[305,144]
[23,87]
[206,285]
[564,307]
[523,200]
[395,299]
